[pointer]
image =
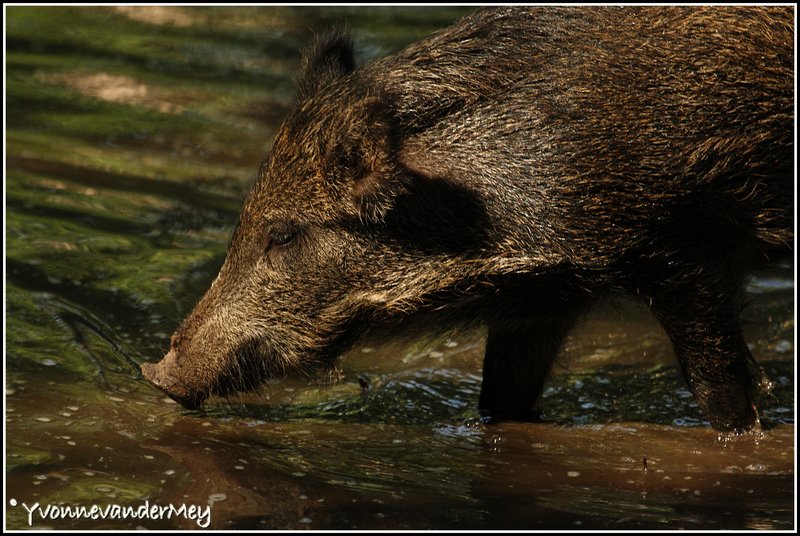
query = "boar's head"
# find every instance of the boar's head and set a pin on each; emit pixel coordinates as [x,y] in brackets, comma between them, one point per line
[335,236]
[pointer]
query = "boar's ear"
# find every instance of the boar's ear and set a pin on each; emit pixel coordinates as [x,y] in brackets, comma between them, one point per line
[330,57]
[359,154]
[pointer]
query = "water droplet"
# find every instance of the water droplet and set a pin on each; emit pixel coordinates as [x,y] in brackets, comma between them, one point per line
[169,472]
[73,408]
[216,497]
[49,362]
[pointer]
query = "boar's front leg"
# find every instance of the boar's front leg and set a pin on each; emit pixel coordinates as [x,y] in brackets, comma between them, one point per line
[519,356]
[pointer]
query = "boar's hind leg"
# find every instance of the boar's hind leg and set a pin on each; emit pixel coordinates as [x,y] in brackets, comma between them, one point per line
[713,356]
[517,361]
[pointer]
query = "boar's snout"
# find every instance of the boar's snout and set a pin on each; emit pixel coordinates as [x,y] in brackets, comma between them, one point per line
[165,375]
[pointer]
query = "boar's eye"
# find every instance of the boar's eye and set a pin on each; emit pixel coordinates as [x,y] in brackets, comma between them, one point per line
[279,236]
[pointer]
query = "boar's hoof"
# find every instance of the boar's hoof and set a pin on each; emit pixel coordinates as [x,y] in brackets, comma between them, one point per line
[156,374]
[493,416]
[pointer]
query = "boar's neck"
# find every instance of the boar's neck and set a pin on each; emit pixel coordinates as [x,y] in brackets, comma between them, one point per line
[582,150]
[473,61]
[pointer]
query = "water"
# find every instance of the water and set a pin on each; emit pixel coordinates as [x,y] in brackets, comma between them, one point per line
[133,134]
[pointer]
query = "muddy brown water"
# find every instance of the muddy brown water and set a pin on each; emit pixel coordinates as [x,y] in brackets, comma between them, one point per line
[132,135]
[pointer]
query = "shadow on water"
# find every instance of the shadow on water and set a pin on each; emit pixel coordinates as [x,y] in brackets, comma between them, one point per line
[133,134]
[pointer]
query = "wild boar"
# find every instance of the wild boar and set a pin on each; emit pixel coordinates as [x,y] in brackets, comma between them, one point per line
[509,170]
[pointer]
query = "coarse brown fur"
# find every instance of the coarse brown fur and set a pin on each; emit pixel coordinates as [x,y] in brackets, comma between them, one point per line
[509,170]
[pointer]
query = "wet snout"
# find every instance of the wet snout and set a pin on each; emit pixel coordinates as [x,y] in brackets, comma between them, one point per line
[166,376]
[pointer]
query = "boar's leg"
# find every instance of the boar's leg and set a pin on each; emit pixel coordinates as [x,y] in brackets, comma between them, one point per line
[713,355]
[517,361]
